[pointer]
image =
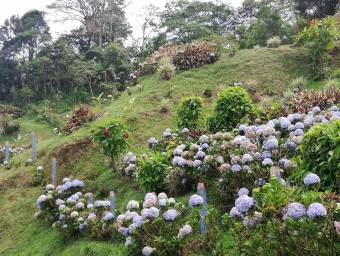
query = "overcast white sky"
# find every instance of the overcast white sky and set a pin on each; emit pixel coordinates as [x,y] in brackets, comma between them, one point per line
[10,7]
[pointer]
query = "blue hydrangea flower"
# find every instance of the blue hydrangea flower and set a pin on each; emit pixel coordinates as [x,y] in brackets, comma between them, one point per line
[295,211]
[243,191]
[205,146]
[311,179]
[267,162]
[170,215]
[200,154]
[197,163]
[138,220]
[266,154]
[234,213]
[284,123]
[195,200]
[271,144]
[299,125]
[108,216]
[244,203]
[298,132]
[235,168]
[246,158]
[242,127]
[316,210]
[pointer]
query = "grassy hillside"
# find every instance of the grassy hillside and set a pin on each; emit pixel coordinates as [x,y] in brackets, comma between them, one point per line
[268,71]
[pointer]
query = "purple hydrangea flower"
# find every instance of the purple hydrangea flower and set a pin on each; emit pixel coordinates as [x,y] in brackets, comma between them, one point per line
[205,146]
[267,162]
[170,215]
[243,191]
[311,179]
[195,200]
[316,210]
[295,211]
[235,168]
[197,163]
[246,158]
[244,203]
[298,132]
[200,154]
[266,154]
[299,125]
[234,213]
[271,144]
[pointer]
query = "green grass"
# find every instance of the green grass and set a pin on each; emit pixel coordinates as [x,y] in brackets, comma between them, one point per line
[269,71]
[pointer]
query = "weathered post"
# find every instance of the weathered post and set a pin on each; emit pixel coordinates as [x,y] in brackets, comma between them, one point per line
[54,171]
[90,198]
[34,147]
[113,202]
[204,210]
[7,152]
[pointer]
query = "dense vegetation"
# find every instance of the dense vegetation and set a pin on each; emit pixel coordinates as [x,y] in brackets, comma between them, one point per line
[205,137]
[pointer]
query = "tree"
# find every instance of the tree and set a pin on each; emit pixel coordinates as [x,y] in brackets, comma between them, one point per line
[185,21]
[22,37]
[311,9]
[103,21]
[260,20]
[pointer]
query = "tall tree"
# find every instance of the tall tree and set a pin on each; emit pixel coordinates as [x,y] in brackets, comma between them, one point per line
[310,9]
[185,21]
[104,21]
[23,37]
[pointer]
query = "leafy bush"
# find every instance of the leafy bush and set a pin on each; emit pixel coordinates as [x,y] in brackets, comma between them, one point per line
[232,105]
[195,55]
[8,125]
[113,138]
[147,68]
[319,39]
[274,42]
[278,223]
[320,153]
[166,69]
[172,228]
[303,101]
[77,119]
[189,113]
[14,112]
[299,83]
[45,112]
[152,171]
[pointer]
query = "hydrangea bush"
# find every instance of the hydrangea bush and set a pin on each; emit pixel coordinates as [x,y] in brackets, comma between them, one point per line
[283,220]
[245,157]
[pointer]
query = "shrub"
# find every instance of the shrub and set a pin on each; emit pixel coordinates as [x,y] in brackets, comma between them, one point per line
[299,83]
[303,101]
[274,42]
[151,172]
[232,105]
[10,110]
[77,119]
[320,153]
[195,55]
[189,113]
[171,229]
[113,138]
[8,125]
[166,69]
[319,39]
[279,217]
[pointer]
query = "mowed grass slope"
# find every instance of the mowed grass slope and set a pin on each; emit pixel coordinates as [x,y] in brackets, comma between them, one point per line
[268,71]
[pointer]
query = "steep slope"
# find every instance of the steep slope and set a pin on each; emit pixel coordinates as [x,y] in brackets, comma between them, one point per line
[267,71]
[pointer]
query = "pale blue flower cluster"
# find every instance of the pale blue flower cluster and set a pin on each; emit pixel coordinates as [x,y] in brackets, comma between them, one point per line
[311,179]
[295,211]
[316,210]
[195,200]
